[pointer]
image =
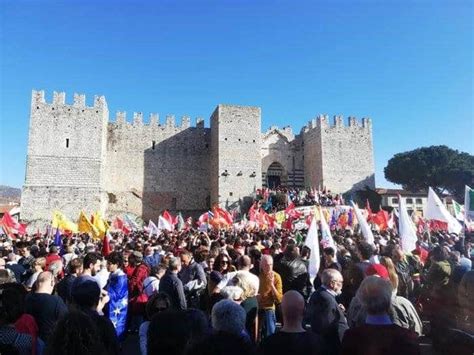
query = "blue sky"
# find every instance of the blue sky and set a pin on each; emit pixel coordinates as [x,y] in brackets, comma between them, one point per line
[406,64]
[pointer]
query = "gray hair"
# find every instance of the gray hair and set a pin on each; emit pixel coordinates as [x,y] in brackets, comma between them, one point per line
[233,293]
[228,316]
[375,294]
[174,264]
[328,275]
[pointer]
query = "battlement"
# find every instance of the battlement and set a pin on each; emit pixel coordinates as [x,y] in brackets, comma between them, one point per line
[322,121]
[59,99]
[154,121]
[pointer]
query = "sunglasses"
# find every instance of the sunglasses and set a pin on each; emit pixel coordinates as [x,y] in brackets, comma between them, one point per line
[224,261]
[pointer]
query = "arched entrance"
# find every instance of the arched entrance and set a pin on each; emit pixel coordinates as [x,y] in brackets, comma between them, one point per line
[276,175]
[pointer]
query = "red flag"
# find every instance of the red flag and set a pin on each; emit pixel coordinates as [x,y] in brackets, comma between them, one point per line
[118,224]
[381,219]
[218,211]
[106,246]
[253,212]
[12,226]
[169,217]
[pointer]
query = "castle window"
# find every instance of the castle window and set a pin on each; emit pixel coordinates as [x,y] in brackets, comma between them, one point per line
[394,200]
[254,140]
[239,139]
[419,201]
[153,145]
[409,200]
[67,142]
[225,139]
[231,193]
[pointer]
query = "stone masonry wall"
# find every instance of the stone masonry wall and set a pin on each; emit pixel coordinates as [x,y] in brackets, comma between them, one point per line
[65,156]
[344,161]
[78,160]
[152,167]
[236,143]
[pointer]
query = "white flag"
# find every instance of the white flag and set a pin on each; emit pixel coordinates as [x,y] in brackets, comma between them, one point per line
[312,242]
[152,228]
[469,204]
[364,226]
[406,230]
[163,224]
[327,241]
[435,209]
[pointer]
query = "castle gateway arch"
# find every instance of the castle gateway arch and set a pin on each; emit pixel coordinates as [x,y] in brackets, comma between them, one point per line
[276,175]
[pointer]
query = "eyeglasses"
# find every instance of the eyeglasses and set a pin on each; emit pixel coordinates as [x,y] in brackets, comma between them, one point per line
[224,261]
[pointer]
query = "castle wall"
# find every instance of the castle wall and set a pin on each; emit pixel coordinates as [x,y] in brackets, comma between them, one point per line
[344,161]
[78,160]
[65,156]
[281,146]
[152,167]
[236,164]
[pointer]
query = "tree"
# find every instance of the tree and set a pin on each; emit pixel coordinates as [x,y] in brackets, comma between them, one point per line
[442,168]
[367,194]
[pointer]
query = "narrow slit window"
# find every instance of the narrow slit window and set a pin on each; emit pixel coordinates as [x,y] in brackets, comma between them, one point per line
[153,145]
[67,142]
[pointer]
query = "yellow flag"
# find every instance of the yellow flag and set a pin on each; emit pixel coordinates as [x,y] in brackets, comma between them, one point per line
[85,226]
[280,216]
[60,221]
[100,224]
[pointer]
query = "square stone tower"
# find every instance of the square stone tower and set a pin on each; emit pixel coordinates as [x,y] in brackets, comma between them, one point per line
[236,163]
[66,156]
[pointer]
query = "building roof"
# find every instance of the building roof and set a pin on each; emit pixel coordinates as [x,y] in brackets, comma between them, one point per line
[401,192]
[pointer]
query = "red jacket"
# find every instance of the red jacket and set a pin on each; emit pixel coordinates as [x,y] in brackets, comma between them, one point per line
[138,298]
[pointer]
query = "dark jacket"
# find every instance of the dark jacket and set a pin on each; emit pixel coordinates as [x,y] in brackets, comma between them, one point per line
[294,274]
[173,287]
[327,319]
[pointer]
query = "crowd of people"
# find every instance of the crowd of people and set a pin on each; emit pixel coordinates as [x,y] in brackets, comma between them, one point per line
[234,292]
[278,198]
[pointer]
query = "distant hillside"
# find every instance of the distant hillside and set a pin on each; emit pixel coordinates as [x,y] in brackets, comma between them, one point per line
[9,194]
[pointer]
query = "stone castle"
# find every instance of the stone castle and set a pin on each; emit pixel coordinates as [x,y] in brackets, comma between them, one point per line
[79,160]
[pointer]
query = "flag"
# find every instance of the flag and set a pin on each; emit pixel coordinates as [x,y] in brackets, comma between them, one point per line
[203,219]
[224,214]
[85,226]
[391,220]
[106,245]
[101,225]
[119,225]
[169,217]
[436,210]
[406,229]
[181,225]
[117,308]
[381,219]
[469,205]
[57,239]
[364,226]
[152,228]
[60,221]
[350,218]
[458,211]
[164,224]
[11,226]
[312,242]
[327,241]
[131,222]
